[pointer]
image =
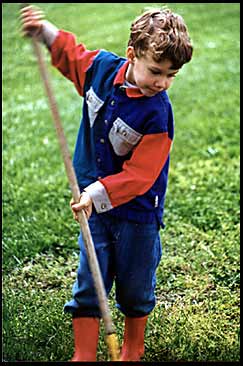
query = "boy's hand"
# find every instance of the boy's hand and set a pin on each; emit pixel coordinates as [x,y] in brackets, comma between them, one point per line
[32,20]
[85,203]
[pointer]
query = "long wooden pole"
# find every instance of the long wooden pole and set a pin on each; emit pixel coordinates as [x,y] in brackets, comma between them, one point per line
[111,338]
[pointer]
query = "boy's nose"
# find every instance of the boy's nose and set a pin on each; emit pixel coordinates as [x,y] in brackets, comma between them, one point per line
[161,84]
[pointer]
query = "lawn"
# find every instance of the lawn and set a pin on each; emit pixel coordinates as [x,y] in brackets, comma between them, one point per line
[197,313]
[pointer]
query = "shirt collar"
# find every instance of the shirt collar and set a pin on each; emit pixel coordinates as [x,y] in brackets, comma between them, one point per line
[120,78]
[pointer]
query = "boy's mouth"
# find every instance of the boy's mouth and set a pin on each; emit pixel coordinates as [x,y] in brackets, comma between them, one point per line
[155,90]
[149,92]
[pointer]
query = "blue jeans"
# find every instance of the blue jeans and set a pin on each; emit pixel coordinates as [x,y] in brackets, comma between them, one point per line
[128,254]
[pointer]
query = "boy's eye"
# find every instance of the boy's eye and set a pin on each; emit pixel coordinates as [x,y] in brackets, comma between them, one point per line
[155,72]
[158,72]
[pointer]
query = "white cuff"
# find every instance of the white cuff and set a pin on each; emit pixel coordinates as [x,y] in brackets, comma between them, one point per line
[99,197]
[49,33]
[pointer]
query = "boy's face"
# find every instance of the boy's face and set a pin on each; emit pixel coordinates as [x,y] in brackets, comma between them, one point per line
[148,75]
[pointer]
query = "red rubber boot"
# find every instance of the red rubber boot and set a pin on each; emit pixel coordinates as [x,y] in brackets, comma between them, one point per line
[86,336]
[133,343]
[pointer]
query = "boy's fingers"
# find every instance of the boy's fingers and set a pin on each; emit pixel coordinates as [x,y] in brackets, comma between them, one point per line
[72,202]
[31,19]
[27,7]
[31,24]
[24,13]
[78,206]
[87,212]
[30,8]
[32,15]
[84,204]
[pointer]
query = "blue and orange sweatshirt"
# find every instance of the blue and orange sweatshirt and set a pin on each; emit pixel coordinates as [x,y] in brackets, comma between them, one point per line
[123,146]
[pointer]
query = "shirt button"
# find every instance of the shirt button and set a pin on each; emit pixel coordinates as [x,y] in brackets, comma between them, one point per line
[103,206]
[112,102]
[102,141]
[106,122]
[99,160]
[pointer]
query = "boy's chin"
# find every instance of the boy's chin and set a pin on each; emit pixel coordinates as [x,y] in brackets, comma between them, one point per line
[148,92]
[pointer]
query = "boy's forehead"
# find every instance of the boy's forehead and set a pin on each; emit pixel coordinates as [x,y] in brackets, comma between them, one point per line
[165,64]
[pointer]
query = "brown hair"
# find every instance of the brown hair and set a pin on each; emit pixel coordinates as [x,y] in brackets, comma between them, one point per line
[164,34]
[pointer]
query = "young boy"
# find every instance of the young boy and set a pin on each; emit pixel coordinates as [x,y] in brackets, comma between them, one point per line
[121,161]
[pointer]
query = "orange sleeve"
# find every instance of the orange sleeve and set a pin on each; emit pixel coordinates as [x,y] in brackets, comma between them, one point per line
[71,59]
[141,171]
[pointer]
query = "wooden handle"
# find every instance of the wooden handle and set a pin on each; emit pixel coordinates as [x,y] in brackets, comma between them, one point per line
[89,245]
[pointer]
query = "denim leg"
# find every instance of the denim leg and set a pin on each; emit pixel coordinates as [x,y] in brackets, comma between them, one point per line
[85,302]
[138,252]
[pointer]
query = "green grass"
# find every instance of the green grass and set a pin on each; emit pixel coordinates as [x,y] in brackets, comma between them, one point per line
[197,312]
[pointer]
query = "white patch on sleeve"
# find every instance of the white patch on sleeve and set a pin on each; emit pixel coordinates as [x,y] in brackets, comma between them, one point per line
[99,197]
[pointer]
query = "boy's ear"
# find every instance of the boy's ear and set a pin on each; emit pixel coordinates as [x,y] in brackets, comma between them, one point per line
[130,54]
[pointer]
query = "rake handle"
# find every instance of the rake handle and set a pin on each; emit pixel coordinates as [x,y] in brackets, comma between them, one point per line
[89,245]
